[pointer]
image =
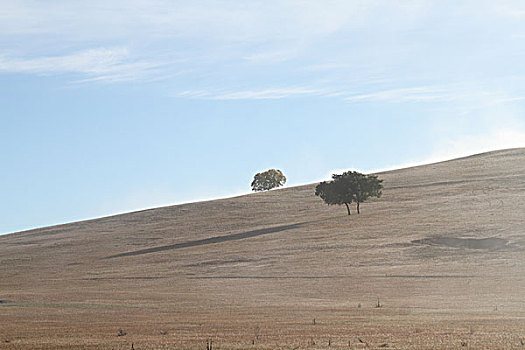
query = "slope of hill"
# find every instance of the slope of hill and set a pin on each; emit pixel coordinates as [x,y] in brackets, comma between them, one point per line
[442,250]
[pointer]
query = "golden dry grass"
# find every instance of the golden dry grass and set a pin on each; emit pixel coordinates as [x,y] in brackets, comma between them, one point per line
[443,250]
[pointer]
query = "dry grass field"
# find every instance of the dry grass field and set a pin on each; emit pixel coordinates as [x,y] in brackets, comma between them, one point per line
[443,250]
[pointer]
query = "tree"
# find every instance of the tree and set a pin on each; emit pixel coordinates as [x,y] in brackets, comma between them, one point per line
[267,180]
[335,193]
[351,186]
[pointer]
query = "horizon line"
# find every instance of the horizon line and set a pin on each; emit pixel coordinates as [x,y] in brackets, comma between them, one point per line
[429,161]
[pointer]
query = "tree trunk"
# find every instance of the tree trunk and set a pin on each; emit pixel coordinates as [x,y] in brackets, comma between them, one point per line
[347,208]
[358,208]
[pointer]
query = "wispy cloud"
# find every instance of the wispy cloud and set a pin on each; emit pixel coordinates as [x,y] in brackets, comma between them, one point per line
[300,41]
[464,98]
[225,32]
[509,8]
[263,94]
[411,94]
[101,64]
[461,100]
[271,57]
[226,19]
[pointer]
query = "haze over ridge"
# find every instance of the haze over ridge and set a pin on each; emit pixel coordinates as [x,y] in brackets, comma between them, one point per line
[442,250]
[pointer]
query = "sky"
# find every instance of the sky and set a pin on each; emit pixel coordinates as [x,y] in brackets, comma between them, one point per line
[114,106]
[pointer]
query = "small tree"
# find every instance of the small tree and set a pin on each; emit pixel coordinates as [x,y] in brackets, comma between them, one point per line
[335,193]
[367,186]
[267,180]
[351,186]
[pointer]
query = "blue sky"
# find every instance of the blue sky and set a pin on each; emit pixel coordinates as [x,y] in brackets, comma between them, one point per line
[114,106]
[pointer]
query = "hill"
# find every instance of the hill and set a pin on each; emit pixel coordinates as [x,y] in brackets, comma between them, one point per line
[442,250]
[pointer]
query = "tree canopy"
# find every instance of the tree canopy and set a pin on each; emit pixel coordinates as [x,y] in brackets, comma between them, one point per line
[351,186]
[267,180]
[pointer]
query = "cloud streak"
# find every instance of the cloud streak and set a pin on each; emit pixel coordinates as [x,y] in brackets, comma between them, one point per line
[101,64]
[220,19]
[263,94]
[411,94]
[318,48]
[465,99]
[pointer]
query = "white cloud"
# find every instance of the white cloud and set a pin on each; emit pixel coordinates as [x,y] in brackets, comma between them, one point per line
[461,98]
[500,138]
[105,64]
[412,94]
[329,39]
[271,57]
[499,125]
[509,8]
[227,19]
[457,147]
[263,94]
[194,94]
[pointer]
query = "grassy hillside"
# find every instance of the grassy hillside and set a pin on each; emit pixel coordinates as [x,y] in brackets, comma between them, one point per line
[442,250]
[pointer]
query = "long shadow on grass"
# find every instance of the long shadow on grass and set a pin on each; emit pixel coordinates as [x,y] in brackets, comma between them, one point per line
[218,239]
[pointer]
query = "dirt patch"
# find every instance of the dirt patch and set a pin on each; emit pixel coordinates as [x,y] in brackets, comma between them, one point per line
[492,243]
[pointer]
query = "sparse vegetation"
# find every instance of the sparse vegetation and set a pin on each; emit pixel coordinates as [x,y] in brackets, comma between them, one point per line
[378,304]
[351,186]
[267,180]
[257,332]
[282,260]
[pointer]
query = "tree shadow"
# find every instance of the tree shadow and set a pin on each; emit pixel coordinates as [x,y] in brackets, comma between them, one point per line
[212,240]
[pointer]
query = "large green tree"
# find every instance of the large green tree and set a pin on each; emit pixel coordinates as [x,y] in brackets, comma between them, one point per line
[350,186]
[267,180]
